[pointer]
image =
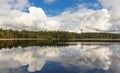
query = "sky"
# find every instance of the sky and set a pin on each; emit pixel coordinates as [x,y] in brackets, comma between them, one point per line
[55,7]
[60,15]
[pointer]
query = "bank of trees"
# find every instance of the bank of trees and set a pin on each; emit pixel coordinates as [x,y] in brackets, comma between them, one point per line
[56,35]
[48,35]
[99,35]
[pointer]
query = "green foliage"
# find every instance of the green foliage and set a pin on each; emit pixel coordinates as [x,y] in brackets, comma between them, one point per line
[56,35]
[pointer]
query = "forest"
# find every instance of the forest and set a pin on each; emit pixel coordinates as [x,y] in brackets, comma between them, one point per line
[56,35]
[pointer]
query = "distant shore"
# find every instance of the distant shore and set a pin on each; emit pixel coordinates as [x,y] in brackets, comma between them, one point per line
[59,36]
[98,40]
[21,39]
[81,40]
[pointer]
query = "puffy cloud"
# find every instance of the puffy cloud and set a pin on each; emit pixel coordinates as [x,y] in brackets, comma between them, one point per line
[110,3]
[84,19]
[114,8]
[13,4]
[99,20]
[35,20]
[13,17]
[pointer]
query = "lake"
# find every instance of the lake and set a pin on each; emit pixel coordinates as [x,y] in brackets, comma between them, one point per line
[70,57]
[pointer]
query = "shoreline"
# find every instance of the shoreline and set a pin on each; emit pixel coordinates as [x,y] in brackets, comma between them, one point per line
[98,40]
[12,39]
[74,40]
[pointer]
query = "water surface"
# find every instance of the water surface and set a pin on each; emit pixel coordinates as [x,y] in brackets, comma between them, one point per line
[74,57]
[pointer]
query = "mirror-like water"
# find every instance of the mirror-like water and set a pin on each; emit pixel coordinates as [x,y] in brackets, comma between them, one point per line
[77,58]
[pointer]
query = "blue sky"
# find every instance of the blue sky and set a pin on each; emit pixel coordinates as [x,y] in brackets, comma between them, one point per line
[58,6]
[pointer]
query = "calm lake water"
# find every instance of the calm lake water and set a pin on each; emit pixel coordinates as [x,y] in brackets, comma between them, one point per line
[77,57]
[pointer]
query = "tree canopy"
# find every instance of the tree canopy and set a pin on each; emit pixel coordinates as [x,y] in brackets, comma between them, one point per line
[56,35]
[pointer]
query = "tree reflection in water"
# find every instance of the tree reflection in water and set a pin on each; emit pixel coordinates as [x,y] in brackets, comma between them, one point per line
[84,57]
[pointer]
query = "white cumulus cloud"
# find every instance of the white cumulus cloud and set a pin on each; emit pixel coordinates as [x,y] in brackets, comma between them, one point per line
[87,19]
[16,19]
[114,8]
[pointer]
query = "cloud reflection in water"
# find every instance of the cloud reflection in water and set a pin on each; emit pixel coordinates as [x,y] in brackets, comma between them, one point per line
[85,57]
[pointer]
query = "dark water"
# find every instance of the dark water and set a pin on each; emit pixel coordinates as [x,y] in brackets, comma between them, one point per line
[75,57]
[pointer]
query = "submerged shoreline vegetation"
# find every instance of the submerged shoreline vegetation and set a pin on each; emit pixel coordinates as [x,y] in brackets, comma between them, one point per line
[27,43]
[57,35]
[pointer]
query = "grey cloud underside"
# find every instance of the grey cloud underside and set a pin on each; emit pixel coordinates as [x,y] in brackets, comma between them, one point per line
[88,20]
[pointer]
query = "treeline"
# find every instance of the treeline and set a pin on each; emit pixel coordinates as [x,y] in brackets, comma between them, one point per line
[100,35]
[56,35]
[46,35]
